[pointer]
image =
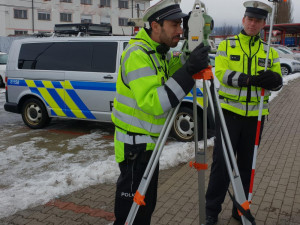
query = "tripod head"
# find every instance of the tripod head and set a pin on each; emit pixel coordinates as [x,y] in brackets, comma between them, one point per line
[197,27]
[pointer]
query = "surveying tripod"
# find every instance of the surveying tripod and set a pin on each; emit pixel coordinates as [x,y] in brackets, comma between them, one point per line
[199,163]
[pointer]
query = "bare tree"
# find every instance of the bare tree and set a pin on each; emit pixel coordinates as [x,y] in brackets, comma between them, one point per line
[226,30]
[239,28]
[283,12]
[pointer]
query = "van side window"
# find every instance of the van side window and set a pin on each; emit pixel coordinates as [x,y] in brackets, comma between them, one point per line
[104,57]
[65,56]
[69,56]
[29,53]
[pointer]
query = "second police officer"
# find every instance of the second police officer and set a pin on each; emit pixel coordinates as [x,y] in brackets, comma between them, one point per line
[239,66]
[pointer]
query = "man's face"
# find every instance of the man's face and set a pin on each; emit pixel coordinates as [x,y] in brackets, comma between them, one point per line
[170,32]
[253,26]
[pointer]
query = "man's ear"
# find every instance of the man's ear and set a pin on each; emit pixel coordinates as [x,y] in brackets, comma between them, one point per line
[155,27]
[243,20]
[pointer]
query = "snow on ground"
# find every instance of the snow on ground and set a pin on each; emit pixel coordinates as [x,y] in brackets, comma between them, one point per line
[30,175]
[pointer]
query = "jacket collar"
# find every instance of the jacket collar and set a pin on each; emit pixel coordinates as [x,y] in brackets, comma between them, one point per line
[246,38]
[142,34]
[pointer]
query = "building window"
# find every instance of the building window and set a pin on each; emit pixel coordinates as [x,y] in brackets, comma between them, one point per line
[140,6]
[21,32]
[123,21]
[43,16]
[20,14]
[66,17]
[86,2]
[69,1]
[104,3]
[123,4]
[86,19]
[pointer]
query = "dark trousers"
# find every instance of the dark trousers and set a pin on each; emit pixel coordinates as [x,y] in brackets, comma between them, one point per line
[127,184]
[242,132]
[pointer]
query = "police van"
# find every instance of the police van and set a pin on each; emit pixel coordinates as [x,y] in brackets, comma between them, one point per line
[75,78]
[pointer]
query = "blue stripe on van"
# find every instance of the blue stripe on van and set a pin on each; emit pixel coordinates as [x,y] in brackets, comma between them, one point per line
[198,92]
[53,113]
[188,98]
[98,86]
[60,103]
[80,104]
[57,84]
[39,84]
[16,82]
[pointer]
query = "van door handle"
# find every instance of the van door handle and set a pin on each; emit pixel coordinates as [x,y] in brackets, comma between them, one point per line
[108,77]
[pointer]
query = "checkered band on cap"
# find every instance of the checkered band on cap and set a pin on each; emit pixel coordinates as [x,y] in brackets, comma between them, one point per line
[164,10]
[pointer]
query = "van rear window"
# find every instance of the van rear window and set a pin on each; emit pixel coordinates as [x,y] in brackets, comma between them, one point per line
[69,56]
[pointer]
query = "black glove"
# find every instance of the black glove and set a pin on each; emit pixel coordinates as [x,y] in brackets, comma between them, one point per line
[266,79]
[198,59]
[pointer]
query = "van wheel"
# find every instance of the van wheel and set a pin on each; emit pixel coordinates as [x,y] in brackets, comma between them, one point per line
[34,114]
[183,126]
[285,70]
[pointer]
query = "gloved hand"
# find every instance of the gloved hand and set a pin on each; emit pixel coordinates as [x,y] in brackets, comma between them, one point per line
[198,59]
[266,79]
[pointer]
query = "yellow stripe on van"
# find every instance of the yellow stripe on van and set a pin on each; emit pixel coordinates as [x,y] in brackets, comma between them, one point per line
[61,93]
[48,84]
[69,101]
[199,100]
[44,92]
[30,83]
[68,85]
[74,108]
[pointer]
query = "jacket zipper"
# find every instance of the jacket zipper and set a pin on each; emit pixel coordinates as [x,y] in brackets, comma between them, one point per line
[249,73]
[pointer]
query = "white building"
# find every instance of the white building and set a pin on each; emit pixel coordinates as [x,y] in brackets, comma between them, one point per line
[19,17]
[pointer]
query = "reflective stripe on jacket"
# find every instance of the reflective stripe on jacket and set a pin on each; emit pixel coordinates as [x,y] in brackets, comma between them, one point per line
[243,55]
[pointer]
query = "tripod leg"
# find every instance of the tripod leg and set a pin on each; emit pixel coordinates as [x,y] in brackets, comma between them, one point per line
[142,189]
[200,155]
[230,157]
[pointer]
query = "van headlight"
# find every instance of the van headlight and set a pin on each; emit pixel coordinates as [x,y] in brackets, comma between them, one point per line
[295,64]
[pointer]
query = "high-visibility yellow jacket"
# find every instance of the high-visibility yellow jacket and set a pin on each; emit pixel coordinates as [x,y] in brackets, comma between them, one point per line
[240,55]
[145,93]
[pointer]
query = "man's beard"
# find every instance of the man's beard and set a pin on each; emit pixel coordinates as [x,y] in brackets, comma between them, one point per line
[169,41]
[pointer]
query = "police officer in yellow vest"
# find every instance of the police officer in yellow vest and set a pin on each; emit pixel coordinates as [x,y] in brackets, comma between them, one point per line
[239,67]
[151,81]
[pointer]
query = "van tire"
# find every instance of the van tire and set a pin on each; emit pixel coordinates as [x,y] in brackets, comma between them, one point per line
[34,114]
[285,70]
[183,126]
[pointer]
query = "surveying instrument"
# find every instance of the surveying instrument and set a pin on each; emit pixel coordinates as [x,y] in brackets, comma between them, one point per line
[196,30]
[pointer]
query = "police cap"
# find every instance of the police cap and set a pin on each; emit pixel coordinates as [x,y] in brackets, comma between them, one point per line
[164,10]
[257,9]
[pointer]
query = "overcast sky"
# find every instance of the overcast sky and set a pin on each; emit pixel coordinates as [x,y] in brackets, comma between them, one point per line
[229,11]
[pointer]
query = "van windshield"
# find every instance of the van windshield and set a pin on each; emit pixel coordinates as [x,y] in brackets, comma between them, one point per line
[3,59]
